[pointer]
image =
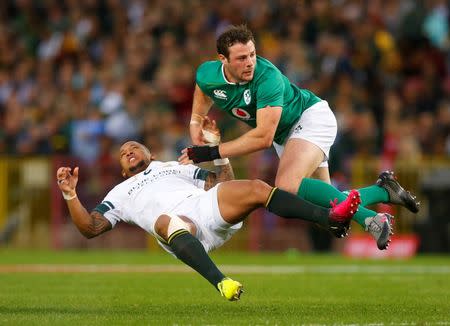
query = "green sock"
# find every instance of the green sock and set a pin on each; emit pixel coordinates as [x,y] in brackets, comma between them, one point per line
[322,193]
[373,195]
[190,251]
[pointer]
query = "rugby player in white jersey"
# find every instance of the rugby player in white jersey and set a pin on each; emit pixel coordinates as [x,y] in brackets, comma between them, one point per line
[189,210]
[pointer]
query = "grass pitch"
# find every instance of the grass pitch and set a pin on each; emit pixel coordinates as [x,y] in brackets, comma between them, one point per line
[140,288]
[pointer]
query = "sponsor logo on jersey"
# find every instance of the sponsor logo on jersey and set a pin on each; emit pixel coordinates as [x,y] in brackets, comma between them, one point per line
[147,172]
[298,128]
[247,97]
[241,113]
[220,93]
[140,183]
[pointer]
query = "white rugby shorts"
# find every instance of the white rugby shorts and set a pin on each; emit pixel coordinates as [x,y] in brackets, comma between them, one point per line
[203,211]
[317,125]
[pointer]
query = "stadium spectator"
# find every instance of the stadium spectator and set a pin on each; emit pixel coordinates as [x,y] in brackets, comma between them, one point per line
[70,48]
[57,58]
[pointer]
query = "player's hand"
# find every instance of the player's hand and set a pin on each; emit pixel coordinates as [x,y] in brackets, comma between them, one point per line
[67,181]
[211,126]
[184,158]
[195,130]
[211,134]
[199,154]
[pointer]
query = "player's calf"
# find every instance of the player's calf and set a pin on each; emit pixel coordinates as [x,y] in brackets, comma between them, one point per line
[187,248]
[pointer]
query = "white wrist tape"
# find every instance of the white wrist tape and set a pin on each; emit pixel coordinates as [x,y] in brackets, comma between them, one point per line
[68,196]
[211,138]
[221,161]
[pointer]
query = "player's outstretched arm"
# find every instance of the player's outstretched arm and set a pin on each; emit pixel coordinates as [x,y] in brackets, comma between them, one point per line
[90,225]
[254,140]
[223,169]
[201,105]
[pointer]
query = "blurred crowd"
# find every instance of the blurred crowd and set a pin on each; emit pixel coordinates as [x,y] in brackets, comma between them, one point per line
[79,77]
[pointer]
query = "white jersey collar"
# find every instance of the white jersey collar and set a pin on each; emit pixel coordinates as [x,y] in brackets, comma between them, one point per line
[227,81]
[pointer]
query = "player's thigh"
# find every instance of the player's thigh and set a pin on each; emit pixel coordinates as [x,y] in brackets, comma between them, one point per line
[300,159]
[203,210]
[238,198]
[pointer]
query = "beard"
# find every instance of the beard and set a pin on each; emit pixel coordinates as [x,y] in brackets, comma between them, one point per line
[138,167]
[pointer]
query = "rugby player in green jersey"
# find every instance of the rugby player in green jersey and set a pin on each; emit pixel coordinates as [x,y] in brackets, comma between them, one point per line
[300,125]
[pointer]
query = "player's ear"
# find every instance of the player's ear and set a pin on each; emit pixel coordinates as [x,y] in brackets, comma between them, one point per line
[223,58]
[124,174]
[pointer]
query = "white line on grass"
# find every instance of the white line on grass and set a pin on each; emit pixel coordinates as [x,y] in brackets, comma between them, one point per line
[237,269]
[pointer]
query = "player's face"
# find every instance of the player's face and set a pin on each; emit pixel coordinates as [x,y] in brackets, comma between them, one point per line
[134,158]
[241,62]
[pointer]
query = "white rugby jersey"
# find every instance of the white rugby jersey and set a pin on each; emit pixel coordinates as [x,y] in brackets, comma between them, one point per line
[142,198]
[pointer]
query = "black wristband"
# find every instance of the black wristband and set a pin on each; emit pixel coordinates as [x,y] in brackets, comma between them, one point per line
[215,154]
[200,154]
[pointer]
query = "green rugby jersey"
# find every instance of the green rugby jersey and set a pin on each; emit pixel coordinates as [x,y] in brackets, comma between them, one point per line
[269,87]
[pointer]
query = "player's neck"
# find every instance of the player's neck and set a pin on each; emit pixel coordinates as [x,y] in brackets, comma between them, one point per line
[228,77]
[141,166]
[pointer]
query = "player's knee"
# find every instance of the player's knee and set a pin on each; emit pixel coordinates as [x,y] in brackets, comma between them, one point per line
[259,188]
[288,184]
[161,226]
[166,225]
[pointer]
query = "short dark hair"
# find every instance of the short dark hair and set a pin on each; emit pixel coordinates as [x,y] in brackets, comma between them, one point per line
[231,36]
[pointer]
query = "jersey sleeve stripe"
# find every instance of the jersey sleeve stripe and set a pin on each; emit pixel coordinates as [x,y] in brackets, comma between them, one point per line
[102,208]
[196,172]
[109,204]
[202,174]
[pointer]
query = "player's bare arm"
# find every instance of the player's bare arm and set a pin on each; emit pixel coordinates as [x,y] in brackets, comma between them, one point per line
[89,225]
[256,139]
[98,224]
[222,173]
[201,105]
